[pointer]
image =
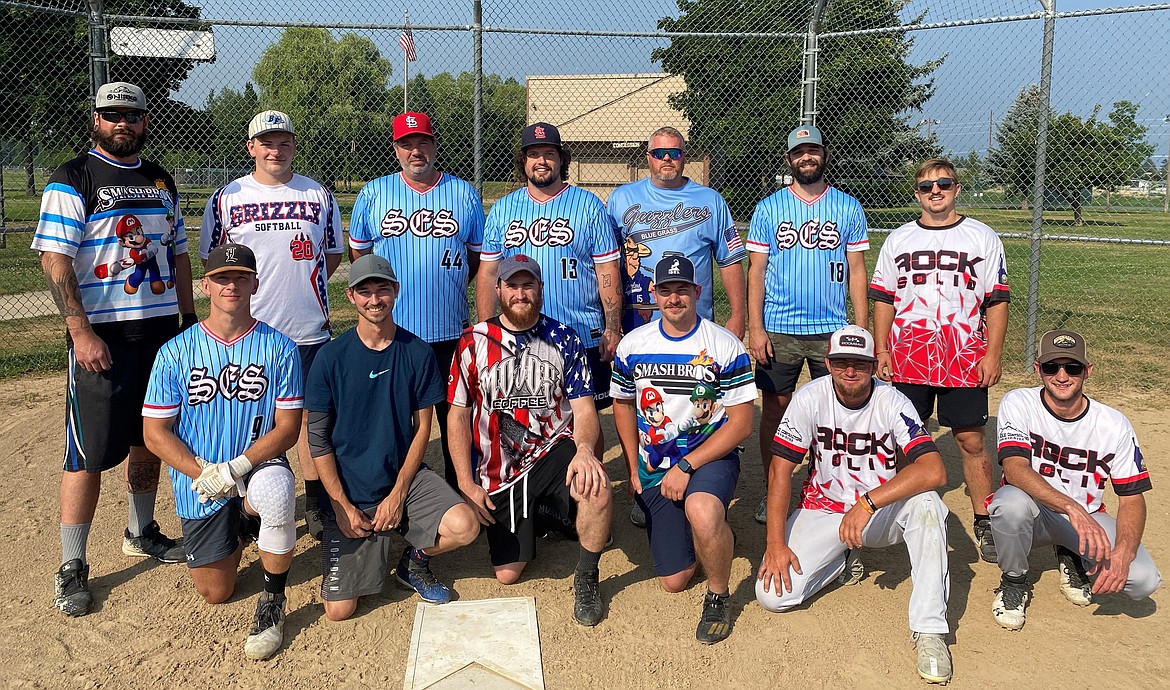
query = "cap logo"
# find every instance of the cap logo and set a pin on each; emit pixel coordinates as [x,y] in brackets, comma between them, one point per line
[539,132]
[229,254]
[802,133]
[1064,341]
[274,119]
[521,258]
[851,341]
[674,268]
[411,121]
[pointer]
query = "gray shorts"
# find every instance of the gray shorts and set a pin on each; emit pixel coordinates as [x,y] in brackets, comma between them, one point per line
[214,538]
[353,568]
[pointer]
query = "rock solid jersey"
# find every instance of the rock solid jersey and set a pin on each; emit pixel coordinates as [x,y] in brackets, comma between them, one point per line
[807,279]
[290,228]
[940,281]
[681,388]
[568,235]
[853,450]
[225,395]
[122,226]
[1075,456]
[519,386]
[692,220]
[426,236]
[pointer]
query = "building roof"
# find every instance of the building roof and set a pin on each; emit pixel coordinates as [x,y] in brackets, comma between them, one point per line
[606,107]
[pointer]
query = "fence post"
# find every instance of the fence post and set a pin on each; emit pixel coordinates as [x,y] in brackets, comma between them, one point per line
[809,77]
[98,57]
[1038,185]
[477,108]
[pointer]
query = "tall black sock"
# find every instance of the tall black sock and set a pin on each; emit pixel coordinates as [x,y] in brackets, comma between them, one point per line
[588,560]
[274,582]
[313,489]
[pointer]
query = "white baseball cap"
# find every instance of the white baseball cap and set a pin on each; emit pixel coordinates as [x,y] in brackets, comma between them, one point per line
[270,121]
[119,94]
[851,342]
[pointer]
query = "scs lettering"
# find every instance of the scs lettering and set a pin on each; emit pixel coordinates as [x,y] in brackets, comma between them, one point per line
[554,233]
[1052,458]
[812,235]
[921,264]
[858,451]
[242,384]
[422,223]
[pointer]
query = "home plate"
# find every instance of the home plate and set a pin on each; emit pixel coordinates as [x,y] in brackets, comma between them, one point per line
[492,644]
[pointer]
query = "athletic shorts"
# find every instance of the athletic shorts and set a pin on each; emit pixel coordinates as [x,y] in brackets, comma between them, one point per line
[444,351]
[308,356]
[512,539]
[211,539]
[958,408]
[789,353]
[353,568]
[602,372]
[103,411]
[671,544]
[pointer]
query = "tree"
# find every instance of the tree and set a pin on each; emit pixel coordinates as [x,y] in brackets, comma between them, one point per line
[230,111]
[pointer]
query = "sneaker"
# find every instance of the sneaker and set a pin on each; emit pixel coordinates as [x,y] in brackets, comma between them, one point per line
[637,516]
[249,527]
[854,571]
[934,659]
[762,511]
[153,544]
[1074,581]
[73,596]
[985,541]
[1010,601]
[418,576]
[586,597]
[267,627]
[313,522]
[715,625]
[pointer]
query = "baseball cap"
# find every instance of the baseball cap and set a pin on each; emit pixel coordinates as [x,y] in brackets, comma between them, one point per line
[650,396]
[514,264]
[805,134]
[371,266]
[703,391]
[119,94]
[674,268]
[540,133]
[270,121]
[230,257]
[851,342]
[412,123]
[1062,345]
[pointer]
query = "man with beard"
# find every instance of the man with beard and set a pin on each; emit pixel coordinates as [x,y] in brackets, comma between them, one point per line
[1057,447]
[429,225]
[114,329]
[523,430]
[370,398]
[858,493]
[807,243]
[684,479]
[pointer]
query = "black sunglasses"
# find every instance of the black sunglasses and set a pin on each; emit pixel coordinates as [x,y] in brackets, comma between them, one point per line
[115,117]
[1071,368]
[944,183]
[660,154]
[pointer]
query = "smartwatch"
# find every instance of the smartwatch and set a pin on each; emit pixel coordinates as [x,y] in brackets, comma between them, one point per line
[685,466]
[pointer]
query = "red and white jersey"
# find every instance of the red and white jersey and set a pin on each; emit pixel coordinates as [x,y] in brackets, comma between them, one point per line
[940,281]
[853,450]
[290,227]
[1075,456]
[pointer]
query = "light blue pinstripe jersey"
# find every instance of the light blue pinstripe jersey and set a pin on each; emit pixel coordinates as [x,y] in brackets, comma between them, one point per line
[568,235]
[224,394]
[426,236]
[806,242]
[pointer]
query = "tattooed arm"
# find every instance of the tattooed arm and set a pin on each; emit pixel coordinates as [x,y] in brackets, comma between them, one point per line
[89,350]
[609,285]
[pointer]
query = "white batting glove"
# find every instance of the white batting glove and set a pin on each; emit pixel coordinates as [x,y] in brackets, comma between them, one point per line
[234,472]
[210,484]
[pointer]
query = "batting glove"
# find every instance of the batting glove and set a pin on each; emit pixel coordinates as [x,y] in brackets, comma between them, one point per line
[234,472]
[211,485]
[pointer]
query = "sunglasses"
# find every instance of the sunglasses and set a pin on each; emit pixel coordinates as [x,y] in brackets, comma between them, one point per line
[944,183]
[660,154]
[1070,368]
[115,117]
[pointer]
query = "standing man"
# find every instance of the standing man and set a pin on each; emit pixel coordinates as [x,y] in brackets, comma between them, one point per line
[523,430]
[370,400]
[293,225]
[692,383]
[1057,447]
[103,216]
[940,311]
[855,495]
[429,225]
[223,406]
[807,242]
[566,231]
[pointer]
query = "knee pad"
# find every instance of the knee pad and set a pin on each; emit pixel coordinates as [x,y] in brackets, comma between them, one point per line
[272,494]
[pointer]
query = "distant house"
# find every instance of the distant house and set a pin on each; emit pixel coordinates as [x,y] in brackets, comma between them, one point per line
[606,120]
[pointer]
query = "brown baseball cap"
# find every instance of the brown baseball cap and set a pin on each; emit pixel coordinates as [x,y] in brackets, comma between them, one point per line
[230,257]
[1062,345]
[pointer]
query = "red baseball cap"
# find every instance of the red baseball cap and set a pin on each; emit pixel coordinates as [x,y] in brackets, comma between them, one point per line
[412,123]
[650,396]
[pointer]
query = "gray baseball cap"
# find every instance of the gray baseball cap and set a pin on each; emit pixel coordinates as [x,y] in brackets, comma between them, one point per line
[371,266]
[119,94]
[805,134]
[514,264]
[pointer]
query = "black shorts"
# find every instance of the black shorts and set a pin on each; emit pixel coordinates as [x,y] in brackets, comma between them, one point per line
[103,411]
[512,539]
[789,353]
[213,538]
[958,408]
[602,372]
[308,356]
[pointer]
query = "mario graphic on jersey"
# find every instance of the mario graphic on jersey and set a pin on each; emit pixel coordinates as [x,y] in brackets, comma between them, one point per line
[141,257]
[639,286]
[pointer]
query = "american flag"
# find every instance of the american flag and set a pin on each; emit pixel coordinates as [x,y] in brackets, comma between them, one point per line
[406,40]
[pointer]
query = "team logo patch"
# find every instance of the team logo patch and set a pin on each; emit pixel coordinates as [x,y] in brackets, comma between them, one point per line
[230,254]
[273,119]
[1138,459]
[788,432]
[411,121]
[913,426]
[539,132]
[802,134]
[851,341]
[1064,341]
[674,268]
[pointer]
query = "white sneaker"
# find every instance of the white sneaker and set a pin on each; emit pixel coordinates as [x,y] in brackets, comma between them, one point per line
[854,571]
[761,515]
[1010,601]
[934,659]
[267,627]
[1074,583]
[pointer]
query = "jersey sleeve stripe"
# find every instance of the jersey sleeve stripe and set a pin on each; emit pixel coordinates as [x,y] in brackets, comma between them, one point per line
[49,238]
[158,412]
[606,257]
[878,293]
[59,188]
[918,447]
[788,451]
[758,247]
[491,256]
[1132,486]
[1014,450]
[858,246]
[360,244]
[66,221]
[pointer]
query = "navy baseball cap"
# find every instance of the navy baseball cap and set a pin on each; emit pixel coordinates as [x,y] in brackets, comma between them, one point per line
[371,266]
[515,264]
[674,268]
[540,133]
[805,134]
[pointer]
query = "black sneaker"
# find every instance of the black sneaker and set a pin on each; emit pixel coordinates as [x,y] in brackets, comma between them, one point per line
[985,541]
[267,632]
[1011,603]
[313,521]
[249,527]
[153,544]
[587,597]
[715,625]
[73,597]
[638,516]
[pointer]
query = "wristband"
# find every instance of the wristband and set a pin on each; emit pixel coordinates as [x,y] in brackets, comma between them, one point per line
[883,352]
[867,503]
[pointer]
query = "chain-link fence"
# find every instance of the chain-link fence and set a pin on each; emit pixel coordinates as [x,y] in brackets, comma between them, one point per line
[1057,118]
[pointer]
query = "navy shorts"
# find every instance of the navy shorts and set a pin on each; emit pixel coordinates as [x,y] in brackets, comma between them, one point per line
[308,356]
[602,372]
[958,408]
[211,539]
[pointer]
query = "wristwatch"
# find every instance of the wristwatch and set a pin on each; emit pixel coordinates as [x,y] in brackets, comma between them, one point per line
[685,466]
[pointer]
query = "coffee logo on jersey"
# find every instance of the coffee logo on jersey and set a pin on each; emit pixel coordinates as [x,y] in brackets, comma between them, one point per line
[812,235]
[422,223]
[663,223]
[525,380]
[242,384]
[263,212]
[108,197]
[542,232]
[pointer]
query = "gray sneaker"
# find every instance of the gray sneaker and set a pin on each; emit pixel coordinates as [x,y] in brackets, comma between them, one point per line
[854,571]
[637,516]
[587,597]
[934,659]
[1074,581]
[267,627]
[73,596]
[153,544]
[985,541]
[761,515]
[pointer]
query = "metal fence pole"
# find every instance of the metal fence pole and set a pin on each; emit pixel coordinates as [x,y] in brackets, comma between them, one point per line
[1038,185]
[809,78]
[477,108]
[99,60]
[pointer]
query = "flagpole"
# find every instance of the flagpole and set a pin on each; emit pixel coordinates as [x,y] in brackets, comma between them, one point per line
[405,64]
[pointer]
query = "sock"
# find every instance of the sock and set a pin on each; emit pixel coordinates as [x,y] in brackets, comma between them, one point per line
[274,582]
[588,560]
[73,540]
[141,512]
[1016,579]
[419,557]
[982,518]
[313,490]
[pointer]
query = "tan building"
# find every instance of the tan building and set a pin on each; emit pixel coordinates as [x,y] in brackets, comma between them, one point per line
[606,119]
